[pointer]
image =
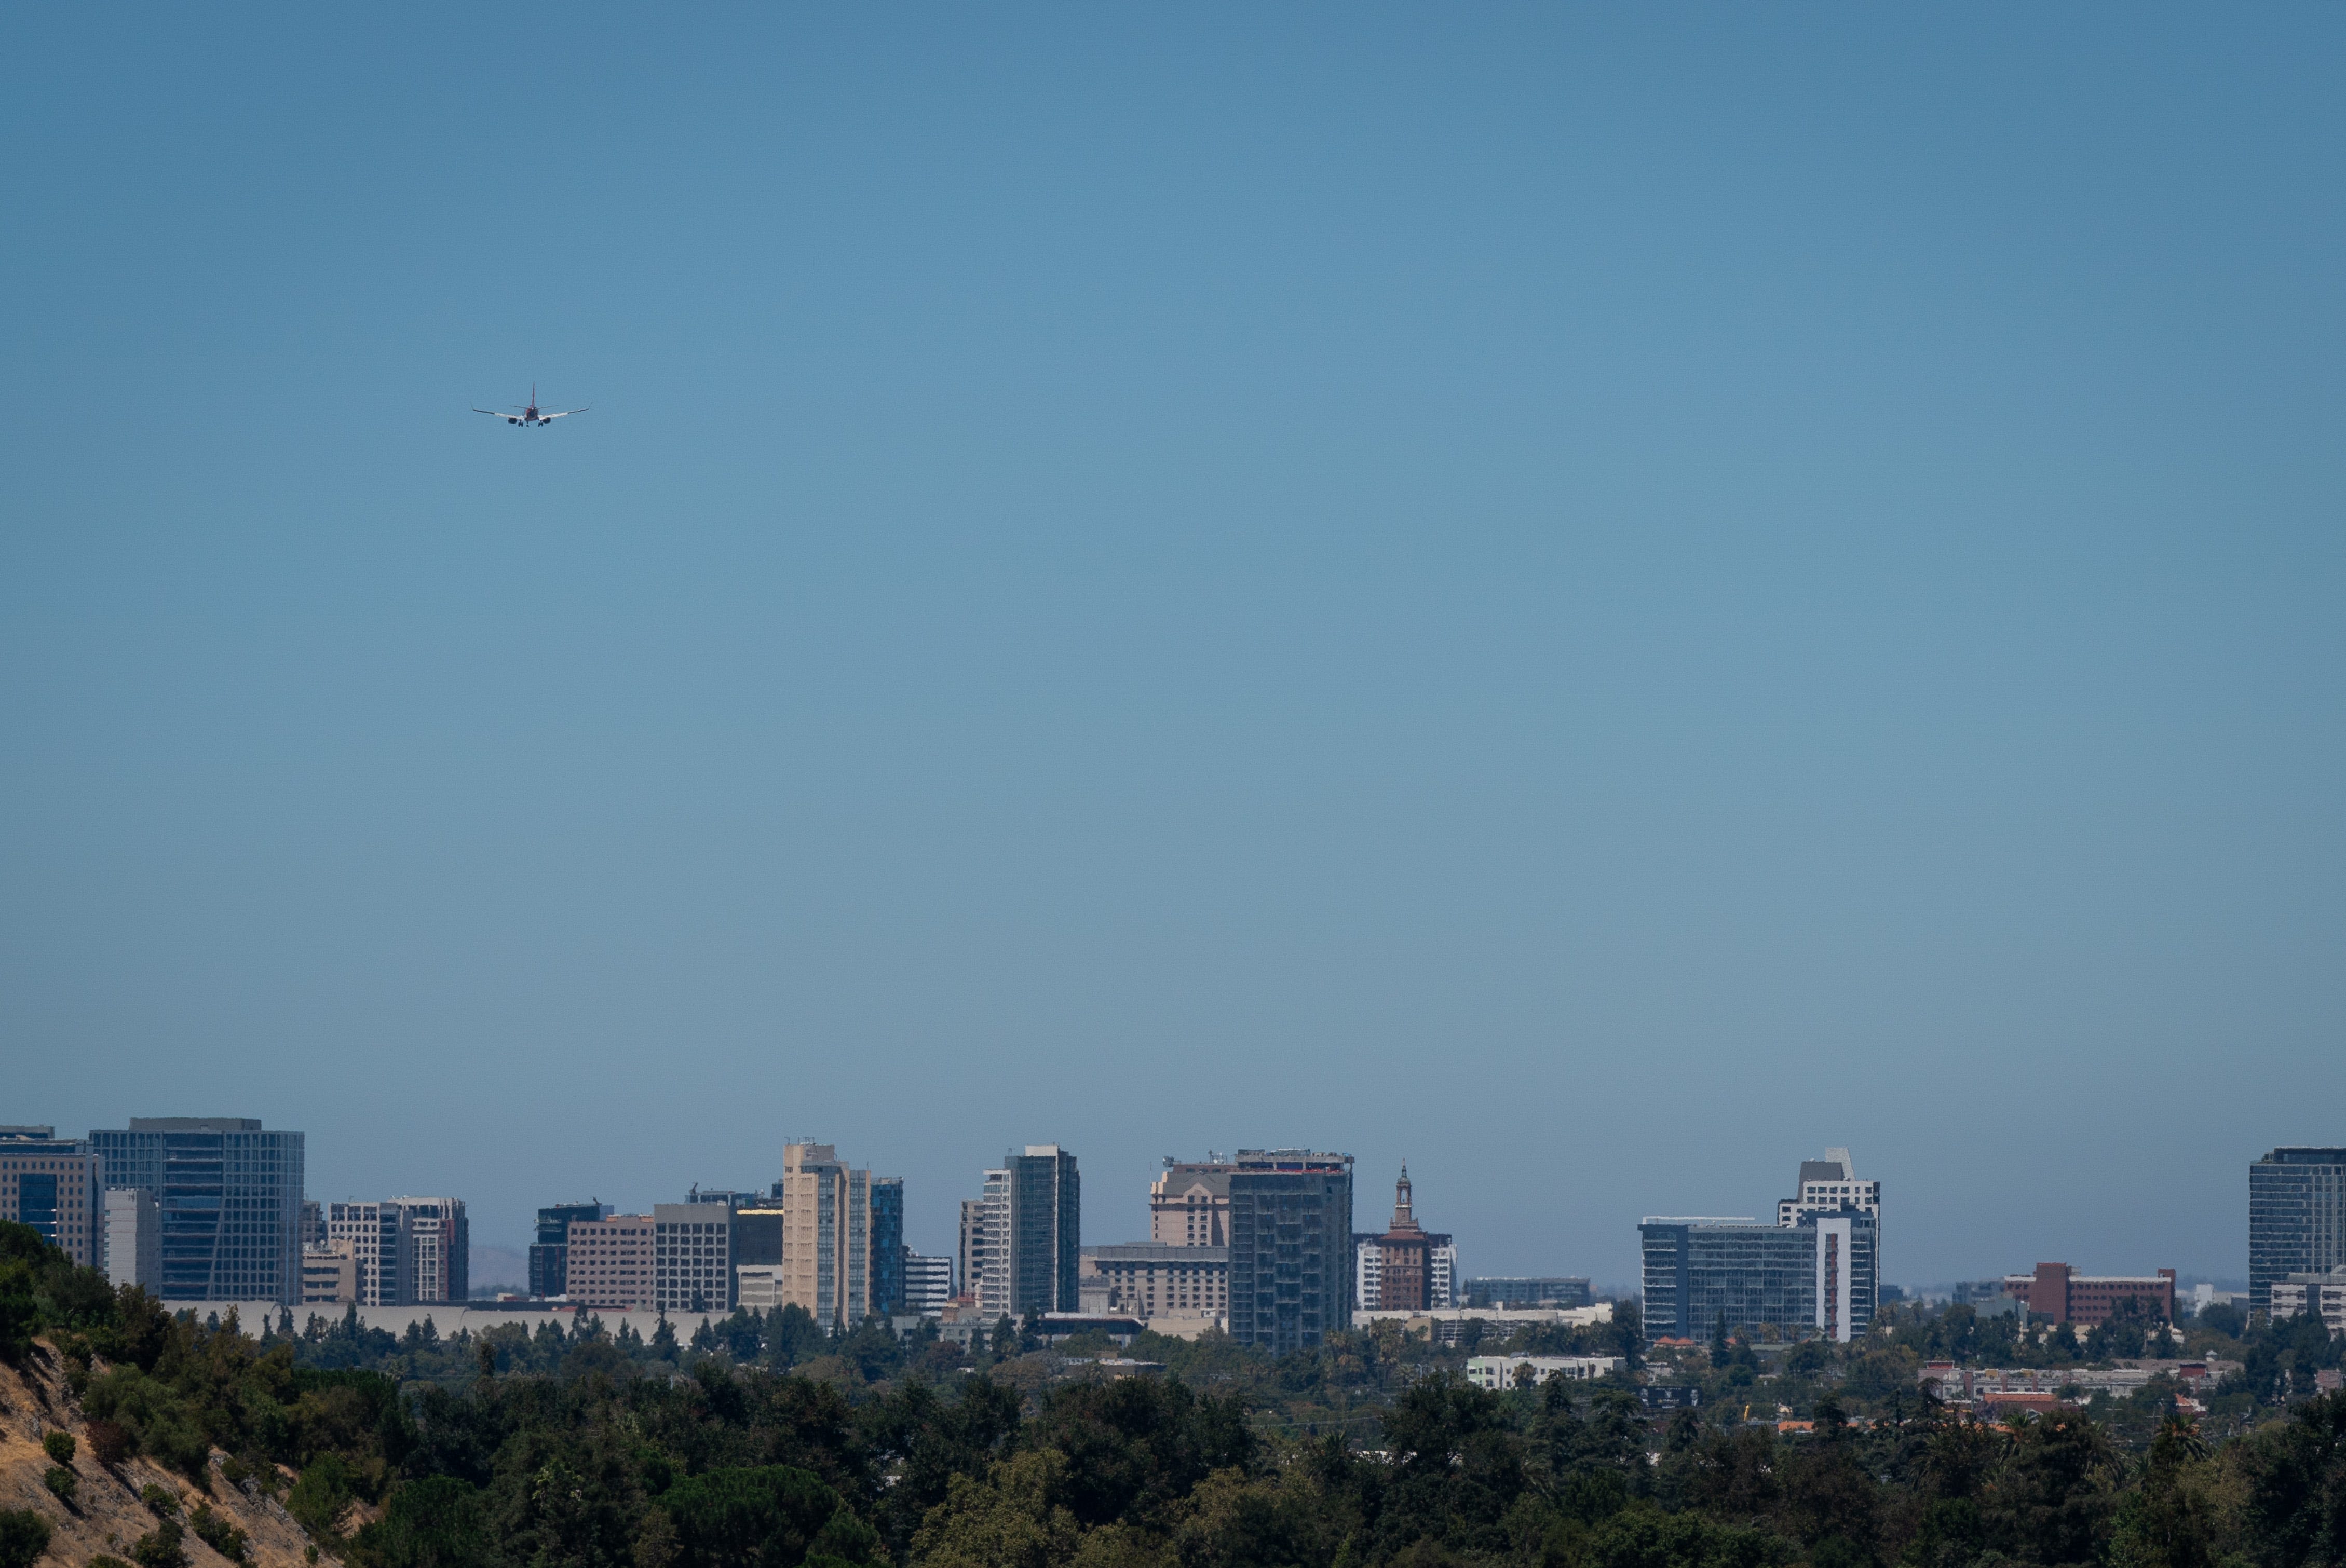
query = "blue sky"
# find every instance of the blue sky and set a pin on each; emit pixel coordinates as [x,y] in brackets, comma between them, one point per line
[1594,599]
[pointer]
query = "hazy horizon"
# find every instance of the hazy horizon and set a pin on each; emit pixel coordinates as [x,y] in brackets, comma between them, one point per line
[1598,601]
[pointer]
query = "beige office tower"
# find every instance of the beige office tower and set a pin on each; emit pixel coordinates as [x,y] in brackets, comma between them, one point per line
[1190,1204]
[56,1186]
[329,1274]
[826,1236]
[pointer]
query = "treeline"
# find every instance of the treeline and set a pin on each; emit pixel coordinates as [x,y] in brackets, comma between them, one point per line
[565,1450]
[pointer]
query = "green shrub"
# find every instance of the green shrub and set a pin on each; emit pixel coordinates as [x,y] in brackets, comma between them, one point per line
[61,1482]
[318,1499]
[432,1523]
[164,1546]
[103,1560]
[58,1446]
[215,1532]
[23,1535]
[764,1517]
[158,1500]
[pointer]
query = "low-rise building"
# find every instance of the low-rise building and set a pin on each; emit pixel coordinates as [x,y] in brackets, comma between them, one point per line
[611,1262]
[1503,1373]
[1178,1289]
[1546,1290]
[1456,1325]
[329,1274]
[965,1323]
[2059,1293]
[758,1286]
[2322,1294]
[1985,1386]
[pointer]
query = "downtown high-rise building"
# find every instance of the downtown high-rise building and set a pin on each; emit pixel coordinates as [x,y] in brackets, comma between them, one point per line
[928,1285]
[134,1239]
[1290,1225]
[228,1198]
[1029,1244]
[826,1236]
[56,1185]
[404,1251]
[2297,1218]
[438,1264]
[692,1257]
[549,1255]
[1818,1266]
[1408,1267]
[888,1284]
[1190,1203]
[1830,1185]
[1703,1274]
[377,1234]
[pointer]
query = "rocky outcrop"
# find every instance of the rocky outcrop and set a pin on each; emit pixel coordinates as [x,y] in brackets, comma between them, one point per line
[105,1515]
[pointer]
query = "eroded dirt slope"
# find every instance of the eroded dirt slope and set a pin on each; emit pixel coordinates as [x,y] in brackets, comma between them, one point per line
[106,1515]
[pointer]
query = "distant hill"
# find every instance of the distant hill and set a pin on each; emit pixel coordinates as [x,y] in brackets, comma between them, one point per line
[499,1269]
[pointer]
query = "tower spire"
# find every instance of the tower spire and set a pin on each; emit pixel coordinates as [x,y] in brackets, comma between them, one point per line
[1404,1218]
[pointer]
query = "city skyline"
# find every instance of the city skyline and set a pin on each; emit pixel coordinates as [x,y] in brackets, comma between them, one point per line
[917,1217]
[1578,598]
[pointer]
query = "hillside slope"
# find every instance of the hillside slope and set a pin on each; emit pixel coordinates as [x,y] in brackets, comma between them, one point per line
[106,1515]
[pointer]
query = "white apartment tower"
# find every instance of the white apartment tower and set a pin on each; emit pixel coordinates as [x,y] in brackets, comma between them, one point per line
[439,1251]
[377,1233]
[134,1239]
[1848,1258]
[408,1251]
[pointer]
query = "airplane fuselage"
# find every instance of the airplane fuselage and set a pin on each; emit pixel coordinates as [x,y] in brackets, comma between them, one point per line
[531,416]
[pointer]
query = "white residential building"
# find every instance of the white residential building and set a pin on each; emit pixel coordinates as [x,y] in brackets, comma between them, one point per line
[439,1251]
[377,1233]
[1501,1373]
[408,1251]
[1830,1184]
[134,1239]
[1368,1274]
[990,1248]
[1442,1275]
[928,1284]
[2323,1294]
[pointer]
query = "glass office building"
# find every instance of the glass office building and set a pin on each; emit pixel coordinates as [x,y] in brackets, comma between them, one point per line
[1817,1273]
[1290,1228]
[887,1246]
[2297,1218]
[229,1201]
[549,1255]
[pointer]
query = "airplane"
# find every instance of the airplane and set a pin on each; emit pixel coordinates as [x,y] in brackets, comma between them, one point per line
[530,416]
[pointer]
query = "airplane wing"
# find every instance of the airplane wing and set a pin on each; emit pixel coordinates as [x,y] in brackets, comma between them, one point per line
[564,412]
[495,414]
